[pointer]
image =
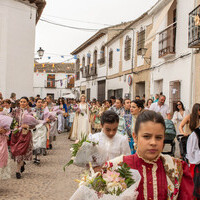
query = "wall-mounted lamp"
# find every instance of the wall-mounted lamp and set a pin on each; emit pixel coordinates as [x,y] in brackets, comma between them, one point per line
[143,53]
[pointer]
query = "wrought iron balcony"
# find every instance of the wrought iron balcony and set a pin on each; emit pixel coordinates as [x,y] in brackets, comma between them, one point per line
[101,61]
[194,28]
[167,41]
[93,70]
[50,84]
[85,72]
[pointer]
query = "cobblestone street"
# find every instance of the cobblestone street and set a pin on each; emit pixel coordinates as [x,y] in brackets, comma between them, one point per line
[47,181]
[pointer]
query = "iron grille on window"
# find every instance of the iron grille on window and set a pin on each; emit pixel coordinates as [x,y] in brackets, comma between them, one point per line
[140,42]
[194,28]
[127,49]
[101,61]
[111,59]
[167,41]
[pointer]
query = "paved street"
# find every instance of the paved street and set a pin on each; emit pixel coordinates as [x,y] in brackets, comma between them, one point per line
[47,181]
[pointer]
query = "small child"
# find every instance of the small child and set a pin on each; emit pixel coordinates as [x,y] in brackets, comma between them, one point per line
[114,144]
[162,176]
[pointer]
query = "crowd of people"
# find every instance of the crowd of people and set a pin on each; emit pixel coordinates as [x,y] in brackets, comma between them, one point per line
[121,126]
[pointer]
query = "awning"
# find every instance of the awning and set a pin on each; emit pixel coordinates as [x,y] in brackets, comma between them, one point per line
[69,96]
[152,35]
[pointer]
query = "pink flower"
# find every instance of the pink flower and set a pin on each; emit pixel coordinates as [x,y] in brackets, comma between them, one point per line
[111,176]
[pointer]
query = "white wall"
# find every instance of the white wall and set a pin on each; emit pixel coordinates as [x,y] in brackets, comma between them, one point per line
[174,68]
[40,85]
[17,40]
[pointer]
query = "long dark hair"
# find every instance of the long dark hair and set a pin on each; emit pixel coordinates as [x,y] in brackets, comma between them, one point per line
[194,116]
[181,105]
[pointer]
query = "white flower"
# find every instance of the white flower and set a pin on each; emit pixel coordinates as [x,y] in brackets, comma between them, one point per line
[71,149]
[72,158]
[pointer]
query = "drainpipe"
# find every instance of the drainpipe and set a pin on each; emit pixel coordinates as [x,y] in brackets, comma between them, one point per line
[192,81]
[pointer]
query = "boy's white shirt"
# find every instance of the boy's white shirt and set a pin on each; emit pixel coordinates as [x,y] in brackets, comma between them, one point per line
[114,147]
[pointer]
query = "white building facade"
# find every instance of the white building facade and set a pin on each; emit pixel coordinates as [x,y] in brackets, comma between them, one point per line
[171,58]
[17,42]
[56,80]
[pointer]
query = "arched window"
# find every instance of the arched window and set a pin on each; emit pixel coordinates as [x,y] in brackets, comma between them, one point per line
[95,58]
[88,59]
[102,55]
[127,49]
[111,58]
[83,62]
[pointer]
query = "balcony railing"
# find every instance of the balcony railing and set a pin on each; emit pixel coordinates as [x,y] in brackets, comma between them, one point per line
[85,72]
[50,84]
[194,28]
[101,61]
[167,41]
[93,70]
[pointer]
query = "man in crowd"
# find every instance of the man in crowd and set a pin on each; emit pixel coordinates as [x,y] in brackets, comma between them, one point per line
[161,107]
[127,106]
[137,97]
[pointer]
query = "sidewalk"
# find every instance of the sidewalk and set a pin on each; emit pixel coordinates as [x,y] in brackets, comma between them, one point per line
[47,181]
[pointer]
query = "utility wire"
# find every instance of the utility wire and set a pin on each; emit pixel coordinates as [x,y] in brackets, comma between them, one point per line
[75,20]
[67,26]
[80,28]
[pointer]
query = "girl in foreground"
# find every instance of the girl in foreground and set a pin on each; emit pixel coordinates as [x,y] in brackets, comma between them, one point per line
[163,177]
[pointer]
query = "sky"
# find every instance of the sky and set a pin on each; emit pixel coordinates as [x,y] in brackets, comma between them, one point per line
[91,14]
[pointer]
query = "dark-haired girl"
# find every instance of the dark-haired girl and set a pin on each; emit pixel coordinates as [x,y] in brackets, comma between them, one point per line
[162,176]
[21,142]
[193,148]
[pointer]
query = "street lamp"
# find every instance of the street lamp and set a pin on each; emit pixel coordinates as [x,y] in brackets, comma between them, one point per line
[40,52]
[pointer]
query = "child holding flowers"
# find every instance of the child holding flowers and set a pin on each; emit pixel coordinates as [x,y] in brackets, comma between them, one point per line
[163,177]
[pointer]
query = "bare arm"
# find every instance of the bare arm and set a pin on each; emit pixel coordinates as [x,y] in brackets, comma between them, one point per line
[183,123]
[169,116]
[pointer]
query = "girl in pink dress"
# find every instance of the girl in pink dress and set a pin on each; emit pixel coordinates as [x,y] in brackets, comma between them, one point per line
[4,168]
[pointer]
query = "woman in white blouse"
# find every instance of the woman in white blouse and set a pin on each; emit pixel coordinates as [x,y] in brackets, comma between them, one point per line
[179,115]
[193,148]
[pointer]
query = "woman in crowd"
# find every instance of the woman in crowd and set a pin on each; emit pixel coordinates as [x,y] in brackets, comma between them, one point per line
[97,120]
[21,142]
[7,107]
[93,110]
[81,124]
[62,117]
[39,134]
[148,104]
[179,115]
[107,105]
[137,107]
[53,125]
[4,157]
[193,148]
[186,120]
[163,177]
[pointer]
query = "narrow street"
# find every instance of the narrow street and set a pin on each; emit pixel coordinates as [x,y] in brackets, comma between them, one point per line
[47,181]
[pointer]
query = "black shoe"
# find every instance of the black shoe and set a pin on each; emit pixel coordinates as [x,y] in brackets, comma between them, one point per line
[22,167]
[18,175]
[37,162]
